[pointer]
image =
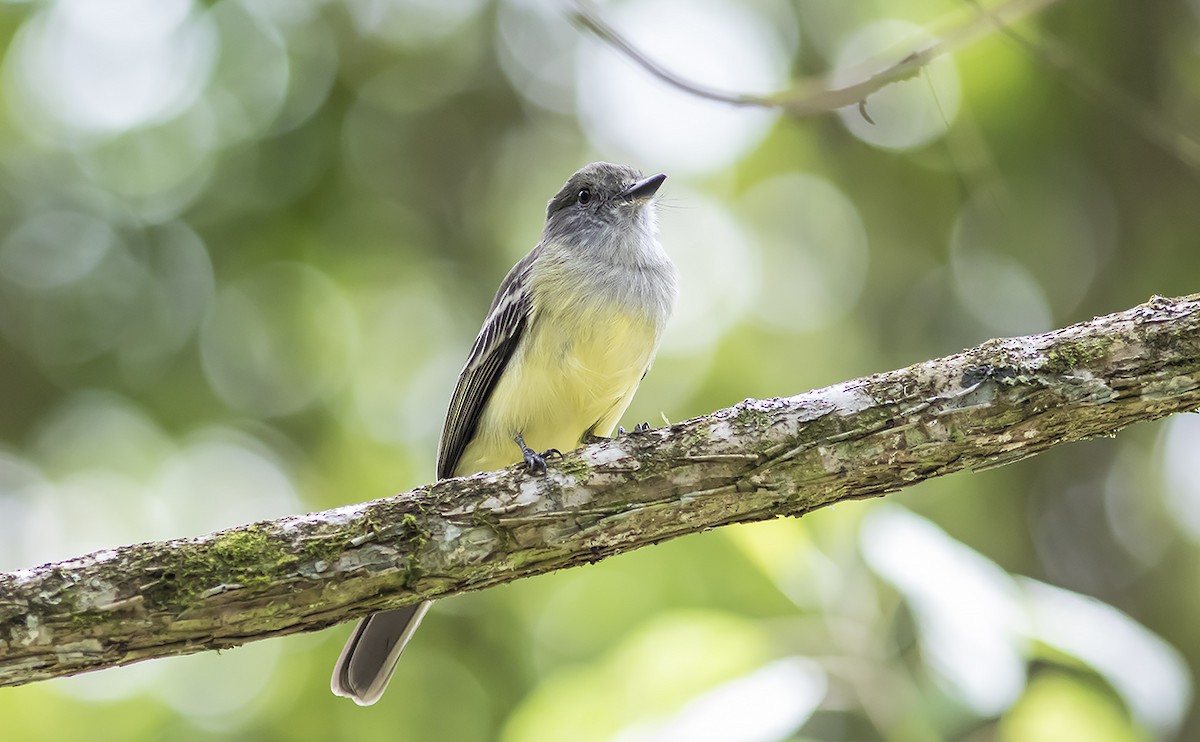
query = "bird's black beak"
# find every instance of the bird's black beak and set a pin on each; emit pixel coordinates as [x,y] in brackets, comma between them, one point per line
[643,189]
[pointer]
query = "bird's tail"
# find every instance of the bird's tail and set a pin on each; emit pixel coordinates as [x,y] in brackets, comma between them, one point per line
[370,655]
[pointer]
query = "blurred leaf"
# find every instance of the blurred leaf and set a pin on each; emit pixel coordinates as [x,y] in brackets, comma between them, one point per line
[1056,706]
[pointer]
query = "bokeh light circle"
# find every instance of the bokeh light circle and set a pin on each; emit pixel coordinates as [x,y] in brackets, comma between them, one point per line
[535,46]
[907,114]
[1018,275]
[54,249]
[813,247]
[726,45]
[278,340]
[90,67]
[719,270]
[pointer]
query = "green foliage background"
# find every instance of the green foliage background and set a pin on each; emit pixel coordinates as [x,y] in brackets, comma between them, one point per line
[245,246]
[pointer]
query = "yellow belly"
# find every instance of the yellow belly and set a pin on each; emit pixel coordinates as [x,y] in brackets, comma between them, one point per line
[564,379]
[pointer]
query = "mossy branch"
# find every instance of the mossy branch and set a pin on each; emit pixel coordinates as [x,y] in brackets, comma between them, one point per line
[1002,401]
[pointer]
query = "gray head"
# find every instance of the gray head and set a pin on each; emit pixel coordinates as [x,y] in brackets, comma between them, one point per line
[603,204]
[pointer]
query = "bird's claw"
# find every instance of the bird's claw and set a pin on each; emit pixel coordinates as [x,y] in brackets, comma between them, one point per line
[639,428]
[537,462]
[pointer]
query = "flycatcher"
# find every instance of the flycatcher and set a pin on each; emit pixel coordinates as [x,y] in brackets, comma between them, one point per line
[569,336]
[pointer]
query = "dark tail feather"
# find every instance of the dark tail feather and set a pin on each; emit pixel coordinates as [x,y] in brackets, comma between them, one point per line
[371,653]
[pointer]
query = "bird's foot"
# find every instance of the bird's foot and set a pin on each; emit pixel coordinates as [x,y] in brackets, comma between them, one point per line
[534,461]
[589,437]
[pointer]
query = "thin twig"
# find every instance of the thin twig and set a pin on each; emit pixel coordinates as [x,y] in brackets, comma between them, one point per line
[815,95]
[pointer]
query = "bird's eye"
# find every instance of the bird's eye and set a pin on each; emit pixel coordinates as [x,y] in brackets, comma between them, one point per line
[584,197]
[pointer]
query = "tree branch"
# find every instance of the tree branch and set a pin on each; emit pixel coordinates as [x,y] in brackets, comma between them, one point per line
[815,96]
[1002,401]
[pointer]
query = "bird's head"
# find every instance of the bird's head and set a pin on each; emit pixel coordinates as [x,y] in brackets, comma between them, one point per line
[602,203]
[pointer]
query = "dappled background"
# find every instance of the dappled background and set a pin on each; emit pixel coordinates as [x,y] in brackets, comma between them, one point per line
[245,246]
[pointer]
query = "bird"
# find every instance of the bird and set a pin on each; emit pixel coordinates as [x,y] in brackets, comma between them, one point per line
[569,336]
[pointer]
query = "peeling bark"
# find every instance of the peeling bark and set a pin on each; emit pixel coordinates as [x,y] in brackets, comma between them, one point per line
[1000,402]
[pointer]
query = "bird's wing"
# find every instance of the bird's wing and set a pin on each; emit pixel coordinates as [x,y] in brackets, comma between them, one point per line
[501,332]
